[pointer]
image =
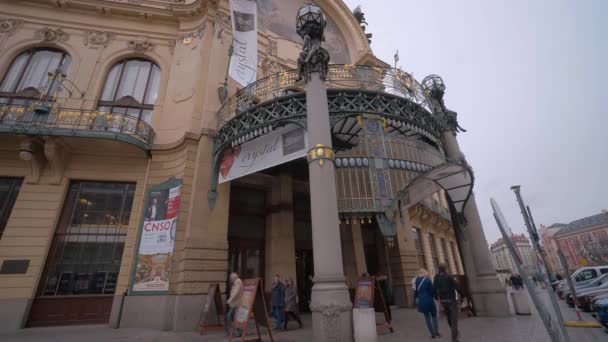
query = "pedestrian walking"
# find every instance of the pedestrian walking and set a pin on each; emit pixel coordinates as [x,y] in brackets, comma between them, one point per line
[277,301]
[234,301]
[426,303]
[291,303]
[445,288]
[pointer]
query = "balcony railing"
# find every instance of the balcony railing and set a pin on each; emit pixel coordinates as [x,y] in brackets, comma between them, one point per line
[361,77]
[435,206]
[79,123]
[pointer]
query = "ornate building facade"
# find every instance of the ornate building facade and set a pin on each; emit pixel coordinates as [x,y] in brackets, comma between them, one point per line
[503,261]
[103,101]
[584,242]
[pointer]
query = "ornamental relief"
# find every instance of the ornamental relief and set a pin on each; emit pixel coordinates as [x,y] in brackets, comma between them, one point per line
[95,39]
[49,34]
[10,26]
[140,45]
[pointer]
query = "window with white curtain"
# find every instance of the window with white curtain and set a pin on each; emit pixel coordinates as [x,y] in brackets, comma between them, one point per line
[27,78]
[131,88]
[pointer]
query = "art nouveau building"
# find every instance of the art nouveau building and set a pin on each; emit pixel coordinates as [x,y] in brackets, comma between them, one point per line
[139,105]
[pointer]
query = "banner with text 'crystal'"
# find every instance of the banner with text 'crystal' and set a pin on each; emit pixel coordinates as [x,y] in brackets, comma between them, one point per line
[244,61]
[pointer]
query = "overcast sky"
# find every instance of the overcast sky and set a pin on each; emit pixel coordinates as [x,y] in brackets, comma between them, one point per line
[527,79]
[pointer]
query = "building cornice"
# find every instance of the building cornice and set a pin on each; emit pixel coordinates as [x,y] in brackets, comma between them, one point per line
[147,9]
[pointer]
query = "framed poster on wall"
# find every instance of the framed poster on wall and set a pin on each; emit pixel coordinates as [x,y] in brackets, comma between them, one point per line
[156,239]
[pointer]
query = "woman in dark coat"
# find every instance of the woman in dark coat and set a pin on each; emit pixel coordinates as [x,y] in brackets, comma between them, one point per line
[426,303]
[291,303]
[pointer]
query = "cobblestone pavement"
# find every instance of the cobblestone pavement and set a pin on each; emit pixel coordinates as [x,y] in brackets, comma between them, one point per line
[409,326]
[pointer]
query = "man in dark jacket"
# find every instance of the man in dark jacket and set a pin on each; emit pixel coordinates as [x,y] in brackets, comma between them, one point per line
[445,288]
[277,301]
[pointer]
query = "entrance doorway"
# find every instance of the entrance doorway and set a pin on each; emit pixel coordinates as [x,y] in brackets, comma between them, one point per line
[79,278]
[246,232]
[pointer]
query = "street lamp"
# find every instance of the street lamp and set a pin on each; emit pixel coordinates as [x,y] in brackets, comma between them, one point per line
[330,299]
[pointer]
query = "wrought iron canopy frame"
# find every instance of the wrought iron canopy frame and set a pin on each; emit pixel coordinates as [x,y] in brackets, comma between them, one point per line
[400,115]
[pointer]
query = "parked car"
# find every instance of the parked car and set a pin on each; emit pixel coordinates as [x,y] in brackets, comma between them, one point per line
[583,299]
[595,300]
[601,311]
[581,277]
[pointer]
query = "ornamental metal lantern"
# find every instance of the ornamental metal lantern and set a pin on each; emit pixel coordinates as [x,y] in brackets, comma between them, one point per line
[433,85]
[310,22]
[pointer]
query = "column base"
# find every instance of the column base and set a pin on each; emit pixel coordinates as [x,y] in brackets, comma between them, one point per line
[331,312]
[489,296]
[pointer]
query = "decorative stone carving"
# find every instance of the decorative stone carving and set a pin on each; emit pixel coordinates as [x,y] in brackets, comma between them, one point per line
[331,313]
[140,45]
[48,34]
[57,156]
[30,151]
[272,48]
[269,66]
[220,23]
[10,26]
[98,38]
[197,34]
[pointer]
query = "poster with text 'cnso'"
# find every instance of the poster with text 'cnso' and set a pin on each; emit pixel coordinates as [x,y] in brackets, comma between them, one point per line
[157,238]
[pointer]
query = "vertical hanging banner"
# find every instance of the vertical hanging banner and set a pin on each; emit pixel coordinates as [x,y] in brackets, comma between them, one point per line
[244,61]
[156,239]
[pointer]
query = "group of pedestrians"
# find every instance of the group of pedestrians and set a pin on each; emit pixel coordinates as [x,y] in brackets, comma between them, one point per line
[283,302]
[516,282]
[443,289]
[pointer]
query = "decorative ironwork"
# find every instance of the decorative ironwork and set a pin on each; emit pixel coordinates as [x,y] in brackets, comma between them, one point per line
[435,89]
[358,77]
[321,153]
[402,116]
[310,24]
[72,122]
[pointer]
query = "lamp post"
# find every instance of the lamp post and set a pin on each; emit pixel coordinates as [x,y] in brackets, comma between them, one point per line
[330,302]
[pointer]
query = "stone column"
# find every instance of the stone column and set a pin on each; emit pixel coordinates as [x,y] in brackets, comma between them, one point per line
[489,295]
[358,248]
[330,302]
[280,242]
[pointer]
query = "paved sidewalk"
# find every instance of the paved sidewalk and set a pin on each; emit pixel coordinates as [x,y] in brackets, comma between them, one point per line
[409,326]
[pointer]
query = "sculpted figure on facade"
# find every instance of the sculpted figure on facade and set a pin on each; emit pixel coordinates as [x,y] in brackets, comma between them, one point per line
[314,57]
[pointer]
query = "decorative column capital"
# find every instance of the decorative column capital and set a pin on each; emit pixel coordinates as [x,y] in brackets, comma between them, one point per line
[321,153]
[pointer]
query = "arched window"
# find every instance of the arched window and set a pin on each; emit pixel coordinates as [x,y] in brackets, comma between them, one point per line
[27,78]
[131,88]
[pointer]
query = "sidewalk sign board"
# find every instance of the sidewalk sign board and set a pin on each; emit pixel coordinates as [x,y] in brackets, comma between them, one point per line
[368,295]
[214,297]
[253,305]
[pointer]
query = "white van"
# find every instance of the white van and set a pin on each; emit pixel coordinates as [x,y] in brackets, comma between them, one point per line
[582,276]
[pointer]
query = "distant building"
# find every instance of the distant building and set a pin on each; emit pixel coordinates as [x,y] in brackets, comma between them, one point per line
[585,241]
[547,235]
[504,263]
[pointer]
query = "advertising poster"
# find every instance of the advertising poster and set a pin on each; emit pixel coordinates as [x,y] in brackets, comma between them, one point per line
[244,61]
[272,149]
[157,239]
[365,294]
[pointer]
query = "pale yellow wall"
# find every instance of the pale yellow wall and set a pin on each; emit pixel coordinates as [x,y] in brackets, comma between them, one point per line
[33,221]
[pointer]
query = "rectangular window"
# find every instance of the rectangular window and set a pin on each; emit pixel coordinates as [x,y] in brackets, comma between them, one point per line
[434,255]
[87,248]
[446,258]
[9,188]
[419,248]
